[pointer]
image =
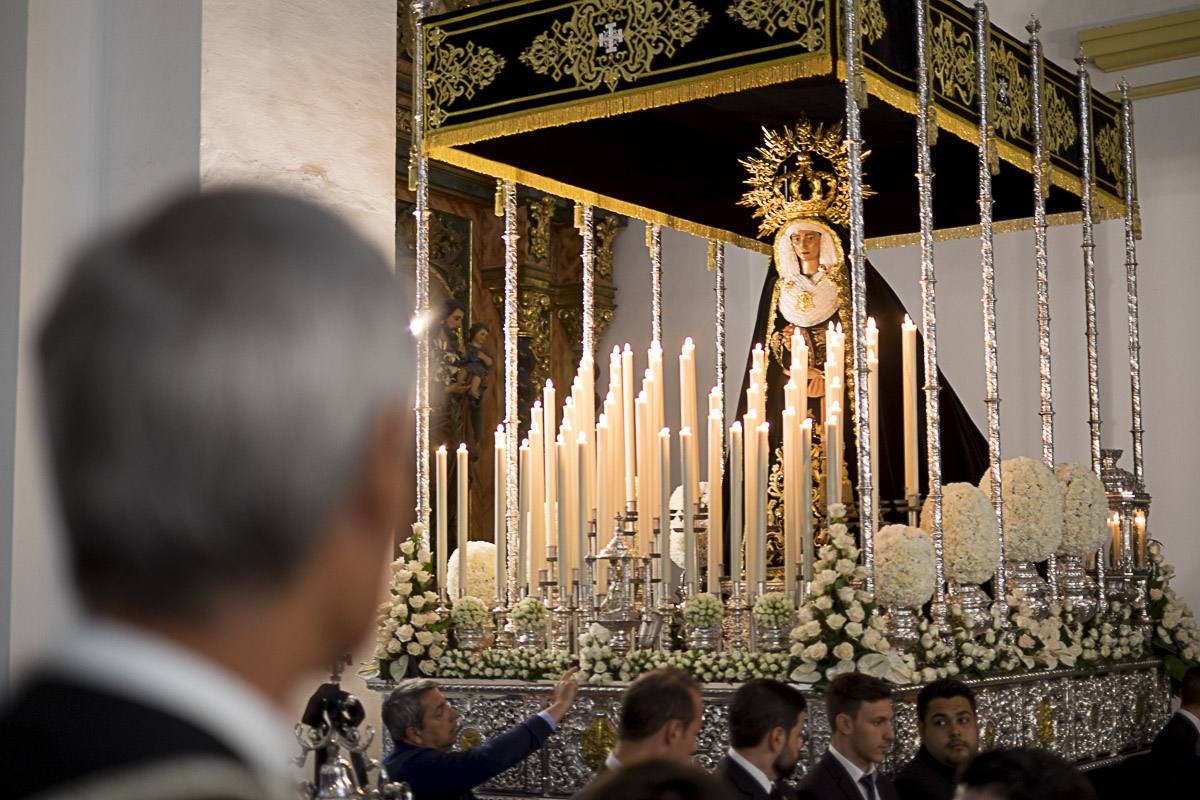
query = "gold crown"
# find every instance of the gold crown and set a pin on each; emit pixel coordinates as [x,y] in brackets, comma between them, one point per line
[801,171]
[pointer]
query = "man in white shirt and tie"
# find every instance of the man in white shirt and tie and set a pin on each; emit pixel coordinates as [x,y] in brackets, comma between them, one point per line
[860,713]
[766,737]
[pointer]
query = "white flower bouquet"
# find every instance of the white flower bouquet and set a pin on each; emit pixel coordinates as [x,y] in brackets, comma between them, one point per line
[837,629]
[703,610]
[1175,637]
[707,667]
[597,663]
[481,570]
[1085,510]
[469,612]
[772,610]
[524,664]
[529,614]
[410,634]
[904,566]
[971,546]
[1033,509]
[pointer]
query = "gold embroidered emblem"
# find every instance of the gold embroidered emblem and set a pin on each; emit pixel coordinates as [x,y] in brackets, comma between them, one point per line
[1010,92]
[803,17]
[1108,148]
[613,41]
[874,23]
[1061,130]
[452,72]
[953,60]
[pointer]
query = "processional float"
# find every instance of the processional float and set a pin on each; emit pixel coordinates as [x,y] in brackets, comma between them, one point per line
[734,120]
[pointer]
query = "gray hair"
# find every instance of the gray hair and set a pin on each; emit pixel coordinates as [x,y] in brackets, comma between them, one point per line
[211,376]
[402,709]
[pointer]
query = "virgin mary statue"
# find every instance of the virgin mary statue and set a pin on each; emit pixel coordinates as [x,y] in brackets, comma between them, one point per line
[799,188]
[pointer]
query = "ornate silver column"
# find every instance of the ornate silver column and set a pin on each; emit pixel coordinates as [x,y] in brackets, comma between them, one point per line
[1131,303]
[1040,190]
[992,398]
[587,229]
[511,385]
[855,97]
[717,251]
[1089,260]
[422,320]
[933,435]
[654,243]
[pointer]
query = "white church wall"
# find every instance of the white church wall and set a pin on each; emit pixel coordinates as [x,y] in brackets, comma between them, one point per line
[110,123]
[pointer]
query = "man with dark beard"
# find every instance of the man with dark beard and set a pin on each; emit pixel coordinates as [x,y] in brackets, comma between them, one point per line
[766,733]
[949,738]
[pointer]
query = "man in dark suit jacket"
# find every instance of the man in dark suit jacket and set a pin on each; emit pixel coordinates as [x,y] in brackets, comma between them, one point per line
[225,513]
[949,738]
[766,737]
[423,724]
[860,714]
[1176,750]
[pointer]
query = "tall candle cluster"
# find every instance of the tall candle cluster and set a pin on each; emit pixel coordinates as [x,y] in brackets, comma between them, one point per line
[577,467]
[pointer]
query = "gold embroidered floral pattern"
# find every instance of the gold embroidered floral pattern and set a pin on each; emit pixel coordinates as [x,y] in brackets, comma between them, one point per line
[952,64]
[452,72]
[803,17]
[613,41]
[1061,130]
[1108,148]
[1010,92]
[874,23]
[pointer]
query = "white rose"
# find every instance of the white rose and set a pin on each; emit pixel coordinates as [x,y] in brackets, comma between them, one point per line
[436,651]
[856,613]
[425,637]
[844,651]
[394,647]
[404,633]
[417,601]
[824,603]
[835,621]
[854,629]
[404,589]
[815,652]
[406,547]
[415,649]
[845,566]
[846,594]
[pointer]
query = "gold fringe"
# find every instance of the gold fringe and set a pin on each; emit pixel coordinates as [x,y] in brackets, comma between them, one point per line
[495,169]
[971,231]
[680,91]
[712,255]
[579,216]
[498,207]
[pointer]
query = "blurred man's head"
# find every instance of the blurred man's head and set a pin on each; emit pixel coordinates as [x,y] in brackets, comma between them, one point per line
[661,714]
[223,388]
[860,714]
[946,721]
[1024,774]
[418,713]
[1189,690]
[766,718]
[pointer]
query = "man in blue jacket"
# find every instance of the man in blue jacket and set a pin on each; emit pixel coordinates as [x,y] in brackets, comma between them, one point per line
[423,724]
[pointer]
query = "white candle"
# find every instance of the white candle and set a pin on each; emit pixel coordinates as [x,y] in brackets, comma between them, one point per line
[735,501]
[500,506]
[791,394]
[716,430]
[873,413]
[644,480]
[581,541]
[616,449]
[750,495]
[758,357]
[443,514]
[689,532]
[911,482]
[833,463]
[535,545]
[602,477]
[524,485]
[714,402]
[805,502]
[562,469]
[763,450]
[461,467]
[656,369]
[664,499]
[687,412]
[586,424]
[791,519]
[628,433]
[800,371]
[652,460]
[550,466]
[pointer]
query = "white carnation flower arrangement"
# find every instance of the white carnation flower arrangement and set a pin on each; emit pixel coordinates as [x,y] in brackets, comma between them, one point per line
[597,662]
[703,610]
[1085,510]
[773,610]
[524,664]
[707,667]
[904,566]
[1175,636]
[410,634]
[529,614]
[469,612]
[481,570]
[970,544]
[837,629]
[1033,509]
